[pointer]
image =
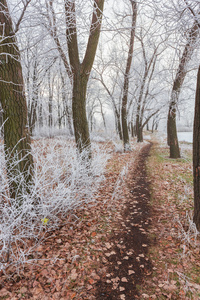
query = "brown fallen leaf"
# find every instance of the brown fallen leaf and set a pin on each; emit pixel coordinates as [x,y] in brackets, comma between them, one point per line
[124,279]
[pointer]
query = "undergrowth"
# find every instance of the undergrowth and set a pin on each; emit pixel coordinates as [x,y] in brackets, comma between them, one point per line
[63,181]
[179,239]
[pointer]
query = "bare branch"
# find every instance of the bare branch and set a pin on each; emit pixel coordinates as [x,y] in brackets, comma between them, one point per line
[21,16]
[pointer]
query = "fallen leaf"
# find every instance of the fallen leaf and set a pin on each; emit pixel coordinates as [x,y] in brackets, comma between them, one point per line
[124,279]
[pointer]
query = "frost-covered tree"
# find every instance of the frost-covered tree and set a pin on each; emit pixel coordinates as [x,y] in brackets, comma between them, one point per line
[182,19]
[78,63]
[17,141]
[176,89]
[126,77]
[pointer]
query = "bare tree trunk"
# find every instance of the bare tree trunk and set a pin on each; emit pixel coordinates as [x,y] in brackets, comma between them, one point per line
[81,71]
[172,132]
[118,124]
[79,111]
[196,155]
[65,105]
[17,142]
[126,79]
[139,130]
[32,115]
[40,114]
[138,124]
[177,85]
[50,119]
[149,68]
[102,113]
[133,130]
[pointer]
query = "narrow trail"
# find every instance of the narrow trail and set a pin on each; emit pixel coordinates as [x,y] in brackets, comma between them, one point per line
[130,265]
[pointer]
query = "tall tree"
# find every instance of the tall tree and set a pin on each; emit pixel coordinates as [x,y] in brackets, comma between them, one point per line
[196,155]
[77,70]
[17,141]
[116,104]
[126,78]
[176,89]
[147,102]
[81,71]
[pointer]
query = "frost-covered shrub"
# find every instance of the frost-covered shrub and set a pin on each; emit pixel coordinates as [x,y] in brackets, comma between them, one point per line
[49,132]
[63,181]
[118,147]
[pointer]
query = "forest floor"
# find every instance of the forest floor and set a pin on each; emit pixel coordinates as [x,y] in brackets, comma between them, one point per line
[136,241]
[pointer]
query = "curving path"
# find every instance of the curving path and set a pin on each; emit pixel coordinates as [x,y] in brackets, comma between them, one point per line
[130,265]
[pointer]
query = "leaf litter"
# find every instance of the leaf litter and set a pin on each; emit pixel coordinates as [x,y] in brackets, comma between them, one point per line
[71,262]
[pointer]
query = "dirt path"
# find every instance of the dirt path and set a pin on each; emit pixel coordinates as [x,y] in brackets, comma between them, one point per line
[101,256]
[129,266]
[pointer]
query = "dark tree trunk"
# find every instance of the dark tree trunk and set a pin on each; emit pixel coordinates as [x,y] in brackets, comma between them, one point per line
[139,132]
[172,132]
[32,114]
[133,130]
[81,71]
[124,124]
[102,114]
[81,128]
[177,85]
[59,114]
[118,124]
[50,119]
[196,155]
[50,111]
[126,79]
[40,113]
[17,141]
[139,127]
[1,117]
[140,135]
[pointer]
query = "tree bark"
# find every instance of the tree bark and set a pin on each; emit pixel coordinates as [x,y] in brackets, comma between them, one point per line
[80,121]
[138,123]
[126,79]
[196,155]
[32,115]
[172,131]
[81,71]
[17,142]
[177,85]
[118,123]
[139,130]
[50,104]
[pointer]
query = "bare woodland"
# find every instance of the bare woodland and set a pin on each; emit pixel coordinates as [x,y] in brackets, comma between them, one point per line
[82,82]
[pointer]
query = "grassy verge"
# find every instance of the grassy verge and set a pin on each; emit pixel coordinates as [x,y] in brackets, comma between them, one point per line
[175,242]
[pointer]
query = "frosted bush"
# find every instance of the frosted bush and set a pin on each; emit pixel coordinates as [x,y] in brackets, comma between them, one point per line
[190,236]
[118,147]
[49,132]
[63,181]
